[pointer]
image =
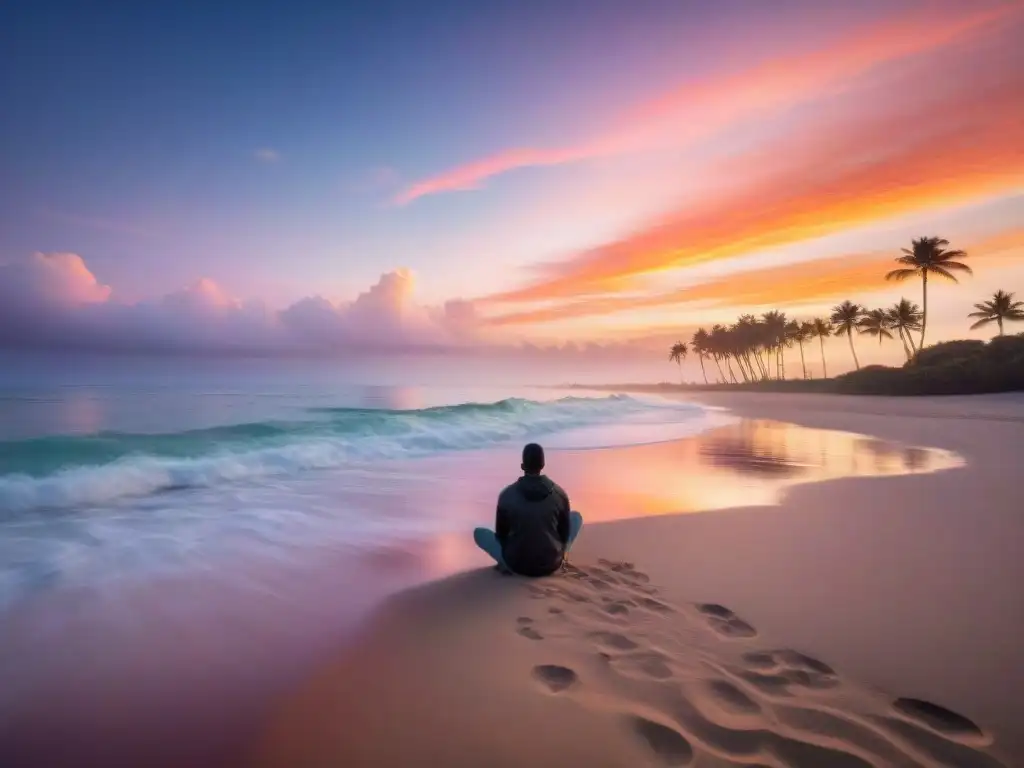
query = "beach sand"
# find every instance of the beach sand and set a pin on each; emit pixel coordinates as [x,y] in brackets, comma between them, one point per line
[859,622]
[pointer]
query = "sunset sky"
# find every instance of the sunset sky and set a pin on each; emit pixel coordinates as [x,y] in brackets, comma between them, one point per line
[179,173]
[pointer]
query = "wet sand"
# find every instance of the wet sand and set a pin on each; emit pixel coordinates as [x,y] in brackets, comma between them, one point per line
[865,621]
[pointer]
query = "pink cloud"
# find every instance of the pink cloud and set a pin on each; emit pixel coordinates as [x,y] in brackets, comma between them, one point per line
[51,279]
[698,109]
[51,300]
[61,305]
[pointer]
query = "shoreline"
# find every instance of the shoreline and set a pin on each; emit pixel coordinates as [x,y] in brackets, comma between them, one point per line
[886,580]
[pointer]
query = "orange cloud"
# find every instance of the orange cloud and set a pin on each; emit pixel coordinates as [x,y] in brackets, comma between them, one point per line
[796,283]
[697,109]
[822,179]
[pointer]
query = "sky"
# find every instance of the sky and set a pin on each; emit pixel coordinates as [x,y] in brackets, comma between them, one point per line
[303,176]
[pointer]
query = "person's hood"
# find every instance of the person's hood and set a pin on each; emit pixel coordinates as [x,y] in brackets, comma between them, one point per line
[535,487]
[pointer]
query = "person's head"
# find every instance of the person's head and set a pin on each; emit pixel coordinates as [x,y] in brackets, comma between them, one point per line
[533,459]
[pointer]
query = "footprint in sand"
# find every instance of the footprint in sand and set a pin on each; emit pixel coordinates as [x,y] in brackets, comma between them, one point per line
[654,605]
[627,572]
[644,664]
[803,661]
[530,633]
[614,640]
[945,721]
[725,622]
[732,698]
[617,607]
[668,745]
[554,677]
[773,672]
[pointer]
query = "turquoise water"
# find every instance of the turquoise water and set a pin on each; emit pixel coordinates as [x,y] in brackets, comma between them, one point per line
[118,471]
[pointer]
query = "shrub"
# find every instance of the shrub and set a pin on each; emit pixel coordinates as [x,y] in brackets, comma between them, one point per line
[948,351]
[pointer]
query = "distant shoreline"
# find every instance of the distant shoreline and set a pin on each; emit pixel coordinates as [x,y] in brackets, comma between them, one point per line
[964,367]
[951,368]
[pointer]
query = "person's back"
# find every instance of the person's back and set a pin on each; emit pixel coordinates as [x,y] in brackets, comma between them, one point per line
[534,526]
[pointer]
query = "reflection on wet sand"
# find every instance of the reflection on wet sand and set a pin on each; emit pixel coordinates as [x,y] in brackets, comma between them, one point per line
[752,462]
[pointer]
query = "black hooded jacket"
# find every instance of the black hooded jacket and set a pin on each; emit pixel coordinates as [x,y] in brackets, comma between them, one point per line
[532,525]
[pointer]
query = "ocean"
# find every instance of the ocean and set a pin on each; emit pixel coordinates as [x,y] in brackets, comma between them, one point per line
[112,469]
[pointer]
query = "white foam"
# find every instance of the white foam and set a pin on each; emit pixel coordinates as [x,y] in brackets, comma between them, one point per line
[569,423]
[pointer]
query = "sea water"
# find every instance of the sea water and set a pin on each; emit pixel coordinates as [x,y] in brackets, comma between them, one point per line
[115,469]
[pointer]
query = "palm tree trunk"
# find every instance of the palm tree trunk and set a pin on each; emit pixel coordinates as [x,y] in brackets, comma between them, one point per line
[856,362]
[743,367]
[721,373]
[902,337]
[824,370]
[761,364]
[999,319]
[703,372]
[924,306]
[910,338]
[728,364]
[680,371]
[750,367]
[802,363]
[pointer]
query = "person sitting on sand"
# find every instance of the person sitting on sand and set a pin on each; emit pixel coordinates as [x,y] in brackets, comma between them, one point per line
[534,526]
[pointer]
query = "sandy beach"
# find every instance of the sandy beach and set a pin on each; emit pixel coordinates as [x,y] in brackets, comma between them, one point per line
[865,621]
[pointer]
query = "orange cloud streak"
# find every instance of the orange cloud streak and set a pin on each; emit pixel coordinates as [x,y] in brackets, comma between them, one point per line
[796,283]
[707,106]
[832,178]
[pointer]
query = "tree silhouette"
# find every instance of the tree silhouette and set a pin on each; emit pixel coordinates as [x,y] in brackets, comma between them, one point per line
[905,316]
[700,342]
[677,354]
[1000,308]
[928,256]
[845,318]
[875,323]
[822,328]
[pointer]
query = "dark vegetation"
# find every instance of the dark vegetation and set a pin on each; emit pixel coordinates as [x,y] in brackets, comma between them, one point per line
[756,347]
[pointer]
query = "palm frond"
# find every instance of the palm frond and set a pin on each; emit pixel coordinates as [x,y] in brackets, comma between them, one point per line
[900,274]
[983,321]
[943,273]
[956,266]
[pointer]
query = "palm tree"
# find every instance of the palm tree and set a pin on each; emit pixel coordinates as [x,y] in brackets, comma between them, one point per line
[875,323]
[845,317]
[717,347]
[775,336]
[700,342]
[749,338]
[801,332]
[821,328]
[677,354]
[735,349]
[928,256]
[905,316]
[999,308]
